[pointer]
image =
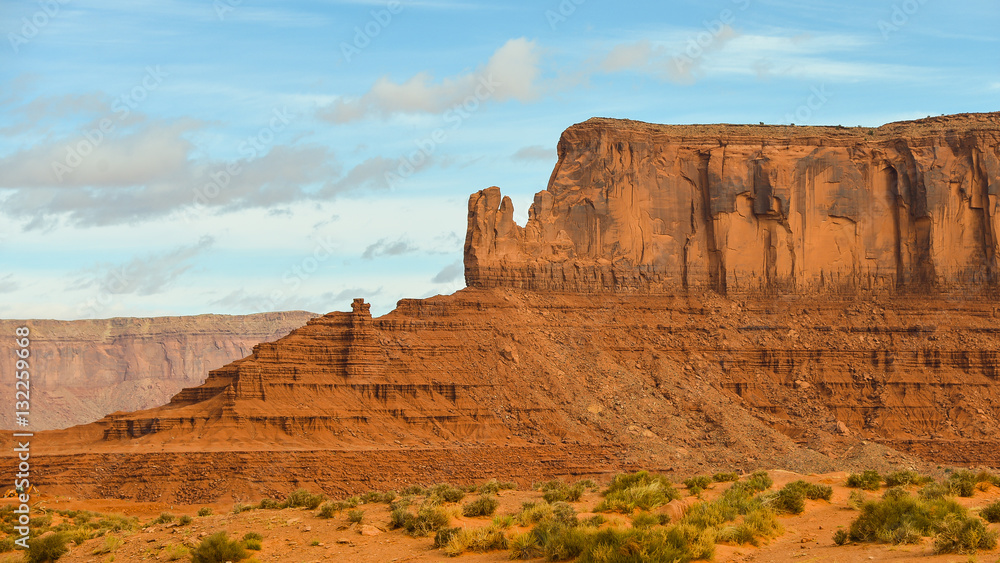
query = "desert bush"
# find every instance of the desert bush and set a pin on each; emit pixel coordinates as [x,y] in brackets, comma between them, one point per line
[645,520]
[699,481]
[485,505]
[447,493]
[934,491]
[906,477]
[901,518]
[493,487]
[218,548]
[484,539]
[960,533]
[184,520]
[443,536]
[642,490]
[176,551]
[525,546]
[204,511]
[302,498]
[240,507]
[414,490]
[355,516]
[869,480]
[163,518]
[328,510]
[269,504]
[564,493]
[429,518]
[253,536]
[791,498]
[48,547]
[725,477]
[110,545]
[991,512]
[841,536]
[532,513]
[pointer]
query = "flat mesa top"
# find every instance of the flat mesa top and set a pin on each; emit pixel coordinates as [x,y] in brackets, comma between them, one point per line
[930,126]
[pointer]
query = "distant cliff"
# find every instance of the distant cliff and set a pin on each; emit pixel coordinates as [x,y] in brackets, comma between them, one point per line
[638,207]
[83,370]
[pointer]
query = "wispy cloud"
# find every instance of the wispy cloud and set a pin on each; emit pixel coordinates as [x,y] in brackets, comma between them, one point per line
[534,152]
[386,247]
[146,275]
[512,73]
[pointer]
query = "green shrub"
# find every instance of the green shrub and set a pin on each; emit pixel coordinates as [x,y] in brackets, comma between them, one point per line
[963,534]
[841,536]
[869,480]
[645,520]
[597,520]
[270,504]
[700,481]
[564,493]
[7,544]
[791,498]
[901,518]
[414,490]
[48,547]
[356,516]
[184,520]
[218,548]
[934,491]
[525,546]
[204,511]
[443,536]
[447,493]
[175,552]
[302,498]
[240,507]
[642,490]
[906,477]
[164,518]
[991,512]
[429,518]
[725,477]
[493,487]
[484,539]
[485,505]
[253,536]
[532,513]
[328,510]
[254,545]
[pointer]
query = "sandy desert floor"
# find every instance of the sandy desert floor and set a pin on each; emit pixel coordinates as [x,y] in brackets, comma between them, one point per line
[296,534]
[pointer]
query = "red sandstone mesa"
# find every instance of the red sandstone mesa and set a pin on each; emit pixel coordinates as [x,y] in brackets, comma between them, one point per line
[681,299]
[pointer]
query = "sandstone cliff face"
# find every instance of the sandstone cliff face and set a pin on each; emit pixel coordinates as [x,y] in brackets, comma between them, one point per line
[83,370]
[653,208]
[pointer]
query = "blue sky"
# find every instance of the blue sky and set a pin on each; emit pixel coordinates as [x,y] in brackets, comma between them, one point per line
[231,156]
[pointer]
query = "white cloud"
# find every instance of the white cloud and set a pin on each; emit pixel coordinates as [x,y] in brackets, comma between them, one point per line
[512,73]
[535,152]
